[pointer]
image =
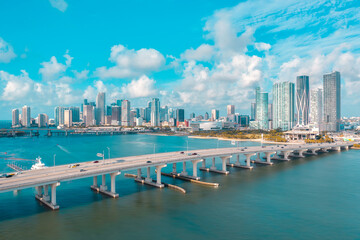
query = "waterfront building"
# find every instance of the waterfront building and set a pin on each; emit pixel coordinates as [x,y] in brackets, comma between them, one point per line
[206,116]
[283,105]
[68,118]
[332,104]
[132,118]
[100,108]
[164,114]
[59,116]
[125,113]
[230,109]
[155,112]
[270,111]
[253,112]
[75,114]
[262,102]
[89,115]
[180,116]
[302,100]
[192,115]
[42,120]
[215,115]
[316,105]
[26,116]
[115,115]
[244,120]
[15,117]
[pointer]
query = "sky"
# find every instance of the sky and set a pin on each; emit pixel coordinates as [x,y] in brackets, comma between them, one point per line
[196,55]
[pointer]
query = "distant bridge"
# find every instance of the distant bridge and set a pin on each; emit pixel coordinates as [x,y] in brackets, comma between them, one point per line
[51,177]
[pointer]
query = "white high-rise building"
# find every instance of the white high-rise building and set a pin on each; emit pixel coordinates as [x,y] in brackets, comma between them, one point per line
[15,117]
[26,116]
[68,118]
[59,116]
[89,115]
[316,105]
[155,112]
[215,115]
[230,109]
[125,113]
[283,105]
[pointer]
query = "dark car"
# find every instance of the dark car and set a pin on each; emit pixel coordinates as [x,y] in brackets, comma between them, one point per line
[194,154]
[181,152]
[82,170]
[96,161]
[148,161]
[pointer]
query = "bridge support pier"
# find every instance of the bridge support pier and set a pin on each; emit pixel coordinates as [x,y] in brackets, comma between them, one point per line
[248,160]
[203,166]
[194,166]
[267,157]
[103,186]
[174,169]
[223,170]
[346,147]
[184,172]
[45,198]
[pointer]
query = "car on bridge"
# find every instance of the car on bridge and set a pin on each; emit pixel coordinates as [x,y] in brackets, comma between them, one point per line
[74,165]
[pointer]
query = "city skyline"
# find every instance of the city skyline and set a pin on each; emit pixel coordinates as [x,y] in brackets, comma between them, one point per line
[209,63]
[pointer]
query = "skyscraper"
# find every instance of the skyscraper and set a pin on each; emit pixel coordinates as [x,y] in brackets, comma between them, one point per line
[26,116]
[215,114]
[42,120]
[180,115]
[100,108]
[155,112]
[75,114]
[283,105]
[115,115]
[59,116]
[230,109]
[15,117]
[68,117]
[206,116]
[262,110]
[125,113]
[316,105]
[253,112]
[302,100]
[89,115]
[332,108]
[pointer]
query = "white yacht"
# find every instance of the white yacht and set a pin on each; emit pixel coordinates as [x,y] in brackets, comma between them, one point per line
[38,164]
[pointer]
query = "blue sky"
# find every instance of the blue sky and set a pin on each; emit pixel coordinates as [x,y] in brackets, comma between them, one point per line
[193,54]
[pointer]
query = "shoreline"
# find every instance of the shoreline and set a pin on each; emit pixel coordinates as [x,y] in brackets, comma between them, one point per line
[244,140]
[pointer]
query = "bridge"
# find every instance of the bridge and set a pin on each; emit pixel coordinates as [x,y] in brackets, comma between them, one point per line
[50,178]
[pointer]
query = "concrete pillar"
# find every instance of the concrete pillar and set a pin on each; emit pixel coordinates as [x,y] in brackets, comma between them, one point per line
[195,162]
[158,174]
[174,171]
[148,178]
[39,190]
[258,157]
[139,173]
[204,163]
[46,196]
[238,159]
[268,156]
[301,152]
[184,169]
[53,193]
[112,177]
[95,181]
[224,160]
[248,156]
[103,186]
[213,167]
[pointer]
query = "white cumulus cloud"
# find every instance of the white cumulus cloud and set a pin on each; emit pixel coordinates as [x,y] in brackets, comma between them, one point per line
[131,63]
[61,5]
[6,51]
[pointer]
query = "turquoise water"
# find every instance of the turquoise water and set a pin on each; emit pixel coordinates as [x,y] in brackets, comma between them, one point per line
[312,198]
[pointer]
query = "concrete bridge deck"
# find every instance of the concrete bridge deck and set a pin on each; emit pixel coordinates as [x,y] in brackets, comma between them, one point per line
[52,176]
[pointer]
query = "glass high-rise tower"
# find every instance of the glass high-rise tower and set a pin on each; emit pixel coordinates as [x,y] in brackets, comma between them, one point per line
[302,100]
[332,108]
[283,105]
[316,105]
[155,112]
